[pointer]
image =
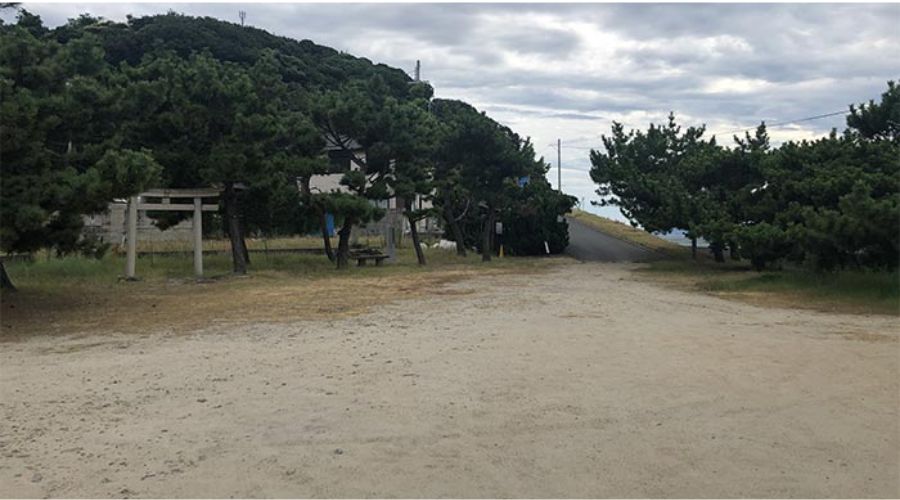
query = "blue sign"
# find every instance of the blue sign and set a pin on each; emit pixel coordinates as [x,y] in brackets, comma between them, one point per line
[329,224]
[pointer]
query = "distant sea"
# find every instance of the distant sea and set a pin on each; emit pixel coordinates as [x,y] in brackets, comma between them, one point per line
[677,236]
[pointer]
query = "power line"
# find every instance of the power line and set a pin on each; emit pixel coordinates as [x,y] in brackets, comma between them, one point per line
[564,146]
[787,122]
[768,125]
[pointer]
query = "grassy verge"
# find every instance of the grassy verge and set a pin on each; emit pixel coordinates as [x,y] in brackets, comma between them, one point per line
[224,245]
[845,292]
[81,295]
[630,234]
[854,292]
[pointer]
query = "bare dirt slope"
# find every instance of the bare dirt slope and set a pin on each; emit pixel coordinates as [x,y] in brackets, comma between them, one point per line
[577,382]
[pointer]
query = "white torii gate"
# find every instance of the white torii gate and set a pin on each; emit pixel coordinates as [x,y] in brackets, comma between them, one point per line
[136,203]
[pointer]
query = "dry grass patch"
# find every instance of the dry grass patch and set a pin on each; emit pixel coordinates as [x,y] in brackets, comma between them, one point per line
[224,245]
[293,288]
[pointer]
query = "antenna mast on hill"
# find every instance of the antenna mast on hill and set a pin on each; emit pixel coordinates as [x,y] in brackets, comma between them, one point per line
[243,15]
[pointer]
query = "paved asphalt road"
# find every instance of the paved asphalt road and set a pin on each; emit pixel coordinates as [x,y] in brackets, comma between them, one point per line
[586,243]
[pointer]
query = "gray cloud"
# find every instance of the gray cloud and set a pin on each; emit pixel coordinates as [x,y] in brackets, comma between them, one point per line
[568,70]
[541,41]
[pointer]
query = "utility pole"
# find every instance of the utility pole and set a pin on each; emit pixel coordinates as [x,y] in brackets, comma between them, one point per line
[559,165]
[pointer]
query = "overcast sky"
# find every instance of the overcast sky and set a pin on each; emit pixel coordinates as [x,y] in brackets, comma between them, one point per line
[566,71]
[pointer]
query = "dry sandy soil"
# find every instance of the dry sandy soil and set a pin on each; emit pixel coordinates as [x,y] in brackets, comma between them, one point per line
[578,382]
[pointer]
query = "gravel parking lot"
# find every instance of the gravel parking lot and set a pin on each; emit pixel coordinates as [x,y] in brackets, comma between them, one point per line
[576,382]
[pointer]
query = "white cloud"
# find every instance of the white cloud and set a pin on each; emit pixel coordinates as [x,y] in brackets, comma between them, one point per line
[730,85]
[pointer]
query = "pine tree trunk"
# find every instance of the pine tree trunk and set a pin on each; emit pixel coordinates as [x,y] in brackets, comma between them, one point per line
[244,244]
[694,248]
[5,282]
[326,238]
[414,233]
[238,252]
[343,253]
[487,237]
[323,217]
[455,230]
[718,252]
[733,251]
[758,263]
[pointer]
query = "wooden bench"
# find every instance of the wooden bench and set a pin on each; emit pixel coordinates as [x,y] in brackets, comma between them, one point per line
[363,257]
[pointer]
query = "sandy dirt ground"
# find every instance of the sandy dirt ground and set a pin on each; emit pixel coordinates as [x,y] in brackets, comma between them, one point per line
[577,382]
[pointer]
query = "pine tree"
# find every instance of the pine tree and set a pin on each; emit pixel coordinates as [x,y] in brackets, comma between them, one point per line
[62,155]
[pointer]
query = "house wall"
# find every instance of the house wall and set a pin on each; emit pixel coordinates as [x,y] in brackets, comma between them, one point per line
[110,227]
[331,183]
[328,183]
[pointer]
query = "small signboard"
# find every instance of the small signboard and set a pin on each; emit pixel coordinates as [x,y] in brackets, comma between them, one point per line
[329,224]
[498,227]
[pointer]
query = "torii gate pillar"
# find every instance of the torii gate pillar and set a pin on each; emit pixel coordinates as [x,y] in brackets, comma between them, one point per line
[198,237]
[131,254]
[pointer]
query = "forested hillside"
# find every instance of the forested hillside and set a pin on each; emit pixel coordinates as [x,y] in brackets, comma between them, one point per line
[303,62]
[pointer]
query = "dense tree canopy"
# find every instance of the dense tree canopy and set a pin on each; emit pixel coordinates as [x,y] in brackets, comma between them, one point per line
[485,173]
[62,152]
[95,110]
[830,203]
